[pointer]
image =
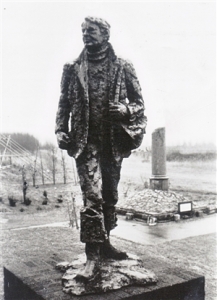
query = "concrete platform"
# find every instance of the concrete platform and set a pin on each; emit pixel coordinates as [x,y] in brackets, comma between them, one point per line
[172,285]
[30,256]
[44,282]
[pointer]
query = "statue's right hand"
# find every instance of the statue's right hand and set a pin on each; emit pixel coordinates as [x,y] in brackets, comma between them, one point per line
[63,140]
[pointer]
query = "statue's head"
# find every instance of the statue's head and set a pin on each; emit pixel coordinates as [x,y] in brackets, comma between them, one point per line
[96,32]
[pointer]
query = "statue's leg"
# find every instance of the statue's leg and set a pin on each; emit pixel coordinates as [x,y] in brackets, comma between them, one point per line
[91,269]
[111,169]
[93,231]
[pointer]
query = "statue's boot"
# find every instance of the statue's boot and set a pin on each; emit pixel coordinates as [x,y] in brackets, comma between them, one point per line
[109,251]
[91,269]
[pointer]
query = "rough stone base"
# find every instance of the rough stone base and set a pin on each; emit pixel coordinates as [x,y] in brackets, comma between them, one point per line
[113,275]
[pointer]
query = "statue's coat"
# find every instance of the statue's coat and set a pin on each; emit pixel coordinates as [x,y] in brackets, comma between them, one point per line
[74,104]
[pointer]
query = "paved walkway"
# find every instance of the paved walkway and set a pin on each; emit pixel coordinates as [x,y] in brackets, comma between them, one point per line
[141,233]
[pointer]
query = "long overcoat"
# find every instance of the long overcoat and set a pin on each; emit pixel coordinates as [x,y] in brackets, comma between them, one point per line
[73,106]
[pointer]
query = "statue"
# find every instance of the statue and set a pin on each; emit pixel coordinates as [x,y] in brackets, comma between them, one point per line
[101,97]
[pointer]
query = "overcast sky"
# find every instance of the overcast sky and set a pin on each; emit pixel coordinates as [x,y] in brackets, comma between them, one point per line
[171,44]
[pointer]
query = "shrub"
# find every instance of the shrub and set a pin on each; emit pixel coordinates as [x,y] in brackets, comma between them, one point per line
[45,194]
[27,201]
[60,198]
[12,201]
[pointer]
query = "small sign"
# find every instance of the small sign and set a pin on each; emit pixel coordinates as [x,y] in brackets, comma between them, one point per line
[185,207]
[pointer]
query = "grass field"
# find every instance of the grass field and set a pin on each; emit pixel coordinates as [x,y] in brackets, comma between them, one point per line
[195,177]
[184,176]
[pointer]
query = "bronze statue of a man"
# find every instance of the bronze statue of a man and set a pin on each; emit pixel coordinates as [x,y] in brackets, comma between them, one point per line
[101,96]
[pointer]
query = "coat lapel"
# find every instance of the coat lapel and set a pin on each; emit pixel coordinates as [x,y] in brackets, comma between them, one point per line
[82,69]
[113,74]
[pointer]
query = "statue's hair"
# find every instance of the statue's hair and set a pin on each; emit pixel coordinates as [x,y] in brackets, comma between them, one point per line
[103,25]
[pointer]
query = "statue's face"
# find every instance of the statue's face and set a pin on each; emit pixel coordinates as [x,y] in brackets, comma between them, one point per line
[92,36]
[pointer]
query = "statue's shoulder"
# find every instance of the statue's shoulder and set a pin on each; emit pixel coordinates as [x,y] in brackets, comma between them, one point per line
[74,64]
[69,65]
[126,64]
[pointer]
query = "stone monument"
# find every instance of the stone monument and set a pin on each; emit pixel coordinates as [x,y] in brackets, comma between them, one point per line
[159,180]
[101,99]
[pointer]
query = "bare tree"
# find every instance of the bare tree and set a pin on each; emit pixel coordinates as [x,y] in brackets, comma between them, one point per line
[23,170]
[63,162]
[34,167]
[52,154]
[74,211]
[74,172]
[10,157]
[25,185]
[42,168]
[147,154]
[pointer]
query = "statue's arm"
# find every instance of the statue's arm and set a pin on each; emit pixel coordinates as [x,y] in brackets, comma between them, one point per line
[63,112]
[136,104]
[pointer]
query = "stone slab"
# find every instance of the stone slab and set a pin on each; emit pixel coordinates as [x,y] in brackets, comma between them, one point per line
[173,284]
[30,256]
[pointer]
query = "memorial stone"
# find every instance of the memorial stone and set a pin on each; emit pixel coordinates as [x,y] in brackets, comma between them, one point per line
[159,180]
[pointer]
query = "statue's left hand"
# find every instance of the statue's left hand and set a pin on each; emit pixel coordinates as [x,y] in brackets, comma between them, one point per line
[118,111]
[63,140]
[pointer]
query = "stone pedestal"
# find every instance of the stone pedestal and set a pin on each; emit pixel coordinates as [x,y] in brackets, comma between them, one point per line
[159,183]
[30,273]
[159,180]
[173,284]
[113,275]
